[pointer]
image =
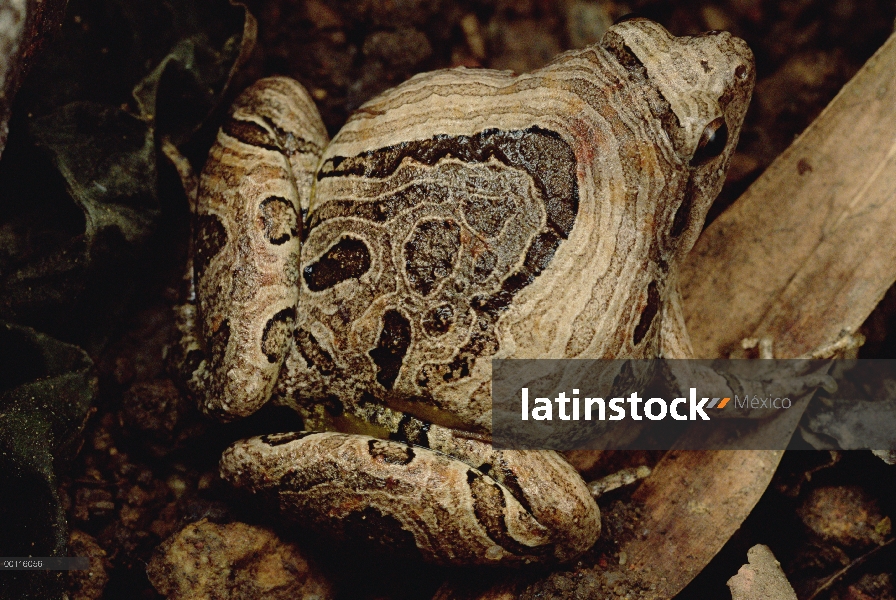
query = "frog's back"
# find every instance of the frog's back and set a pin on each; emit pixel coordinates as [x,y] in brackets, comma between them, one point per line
[469,214]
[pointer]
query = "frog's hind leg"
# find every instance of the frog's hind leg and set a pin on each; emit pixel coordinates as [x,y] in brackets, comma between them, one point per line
[247,230]
[511,507]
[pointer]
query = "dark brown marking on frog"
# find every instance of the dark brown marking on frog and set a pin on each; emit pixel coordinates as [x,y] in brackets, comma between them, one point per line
[648,314]
[278,439]
[481,343]
[251,133]
[276,333]
[683,212]
[390,204]
[210,237]
[393,343]
[487,215]
[538,256]
[439,320]
[347,259]
[489,507]
[314,354]
[484,265]
[278,220]
[412,431]
[394,453]
[509,480]
[289,143]
[430,253]
[541,153]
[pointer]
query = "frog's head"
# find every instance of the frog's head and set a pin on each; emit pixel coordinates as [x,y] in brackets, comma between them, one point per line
[699,87]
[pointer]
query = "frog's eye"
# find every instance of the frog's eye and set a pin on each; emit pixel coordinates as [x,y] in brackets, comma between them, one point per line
[712,142]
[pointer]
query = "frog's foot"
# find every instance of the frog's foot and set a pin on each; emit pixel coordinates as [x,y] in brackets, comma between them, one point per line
[246,240]
[526,506]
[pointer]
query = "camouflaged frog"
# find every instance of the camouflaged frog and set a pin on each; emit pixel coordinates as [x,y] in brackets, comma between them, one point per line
[463,216]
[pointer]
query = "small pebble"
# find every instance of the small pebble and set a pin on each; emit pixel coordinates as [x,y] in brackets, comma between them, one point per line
[233,561]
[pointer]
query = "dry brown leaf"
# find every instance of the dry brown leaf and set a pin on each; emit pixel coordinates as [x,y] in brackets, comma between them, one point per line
[808,250]
[692,504]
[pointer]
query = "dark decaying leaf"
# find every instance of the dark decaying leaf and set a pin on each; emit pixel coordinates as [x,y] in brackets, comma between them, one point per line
[46,390]
[107,159]
[82,190]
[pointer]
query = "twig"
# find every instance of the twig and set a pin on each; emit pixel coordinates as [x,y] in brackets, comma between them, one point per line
[836,577]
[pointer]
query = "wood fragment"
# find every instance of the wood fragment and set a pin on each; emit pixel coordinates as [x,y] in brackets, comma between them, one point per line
[692,504]
[761,579]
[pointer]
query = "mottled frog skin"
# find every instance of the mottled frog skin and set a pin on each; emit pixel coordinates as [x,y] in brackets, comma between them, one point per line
[463,216]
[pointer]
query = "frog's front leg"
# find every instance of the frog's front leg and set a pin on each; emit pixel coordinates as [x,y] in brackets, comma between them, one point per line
[513,507]
[247,231]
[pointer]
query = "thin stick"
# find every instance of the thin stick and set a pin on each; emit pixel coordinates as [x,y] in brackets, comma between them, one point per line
[836,577]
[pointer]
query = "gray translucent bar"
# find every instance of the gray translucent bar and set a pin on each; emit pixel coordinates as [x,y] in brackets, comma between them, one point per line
[45,563]
[693,404]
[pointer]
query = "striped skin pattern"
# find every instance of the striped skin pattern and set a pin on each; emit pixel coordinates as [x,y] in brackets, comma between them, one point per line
[247,241]
[462,216]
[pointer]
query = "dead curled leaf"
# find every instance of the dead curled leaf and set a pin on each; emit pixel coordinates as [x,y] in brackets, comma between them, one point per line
[82,198]
[89,121]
